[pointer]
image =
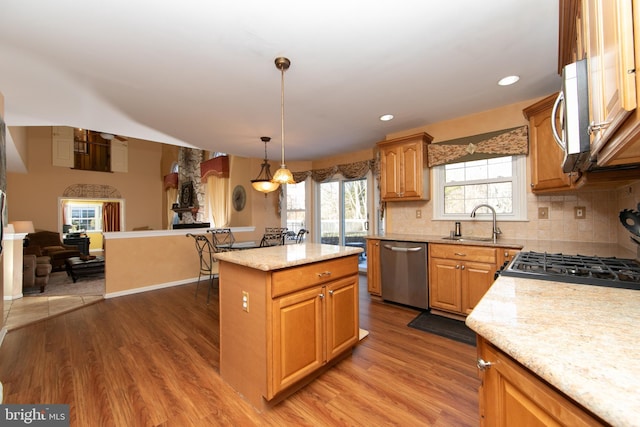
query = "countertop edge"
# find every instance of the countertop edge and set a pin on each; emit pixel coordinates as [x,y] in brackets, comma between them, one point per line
[284,256]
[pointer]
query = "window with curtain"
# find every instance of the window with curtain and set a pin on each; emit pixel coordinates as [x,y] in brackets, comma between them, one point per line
[499,182]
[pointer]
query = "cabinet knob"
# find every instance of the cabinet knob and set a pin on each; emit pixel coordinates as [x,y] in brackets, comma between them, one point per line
[482,365]
[457,266]
[321,296]
[331,292]
[462,268]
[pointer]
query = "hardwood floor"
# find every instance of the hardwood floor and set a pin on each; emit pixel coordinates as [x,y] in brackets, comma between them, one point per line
[152,359]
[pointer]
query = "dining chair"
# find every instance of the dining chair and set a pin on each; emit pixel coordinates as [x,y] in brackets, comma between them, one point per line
[271,239]
[223,239]
[272,232]
[208,262]
[301,235]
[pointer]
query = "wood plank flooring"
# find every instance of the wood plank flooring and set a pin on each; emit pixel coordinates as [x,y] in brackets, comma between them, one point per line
[152,359]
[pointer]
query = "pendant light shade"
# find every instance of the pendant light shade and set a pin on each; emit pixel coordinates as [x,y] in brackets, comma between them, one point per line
[283,175]
[264,181]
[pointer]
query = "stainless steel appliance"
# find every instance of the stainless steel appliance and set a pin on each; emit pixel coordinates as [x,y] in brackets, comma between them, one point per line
[579,269]
[403,267]
[573,104]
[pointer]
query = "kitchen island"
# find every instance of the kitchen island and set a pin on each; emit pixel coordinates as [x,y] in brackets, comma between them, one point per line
[581,340]
[287,314]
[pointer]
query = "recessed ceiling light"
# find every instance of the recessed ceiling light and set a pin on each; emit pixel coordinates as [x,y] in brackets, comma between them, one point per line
[509,80]
[386,117]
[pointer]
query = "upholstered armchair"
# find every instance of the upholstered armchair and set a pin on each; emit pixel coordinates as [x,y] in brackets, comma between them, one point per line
[48,243]
[35,272]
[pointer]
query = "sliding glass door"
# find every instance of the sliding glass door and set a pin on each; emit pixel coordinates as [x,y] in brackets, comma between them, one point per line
[344,216]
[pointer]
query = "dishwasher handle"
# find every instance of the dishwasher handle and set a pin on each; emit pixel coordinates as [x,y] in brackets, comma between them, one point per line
[401,249]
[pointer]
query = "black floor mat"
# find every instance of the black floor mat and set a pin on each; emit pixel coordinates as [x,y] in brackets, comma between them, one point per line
[445,327]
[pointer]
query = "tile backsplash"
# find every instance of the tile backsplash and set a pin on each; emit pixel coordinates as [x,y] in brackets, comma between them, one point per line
[600,222]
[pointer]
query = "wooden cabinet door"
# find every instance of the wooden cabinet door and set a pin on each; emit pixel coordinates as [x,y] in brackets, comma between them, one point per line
[610,57]
[411,170]
[390,178]
[476,279]
[511,395]
[342,327]
[546,156]
[444,284]
[373,267]
[298,336]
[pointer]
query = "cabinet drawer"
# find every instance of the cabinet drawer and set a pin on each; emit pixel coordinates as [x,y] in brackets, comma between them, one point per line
[461,252]
[297,278]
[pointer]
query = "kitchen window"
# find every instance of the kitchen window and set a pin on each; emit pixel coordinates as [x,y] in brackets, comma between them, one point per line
[499,182]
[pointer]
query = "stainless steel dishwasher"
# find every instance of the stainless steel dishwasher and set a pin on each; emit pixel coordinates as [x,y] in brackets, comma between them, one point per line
[403,266]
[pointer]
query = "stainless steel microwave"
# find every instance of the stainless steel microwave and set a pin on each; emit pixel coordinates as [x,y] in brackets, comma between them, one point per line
[573,106]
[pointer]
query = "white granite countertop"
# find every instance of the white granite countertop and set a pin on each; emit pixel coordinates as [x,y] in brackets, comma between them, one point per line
[283,256]
[582,339]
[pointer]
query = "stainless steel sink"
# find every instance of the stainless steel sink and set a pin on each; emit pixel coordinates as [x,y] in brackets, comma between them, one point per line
[469,239]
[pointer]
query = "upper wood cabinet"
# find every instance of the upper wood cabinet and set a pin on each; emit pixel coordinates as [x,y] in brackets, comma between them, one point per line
[544,154]
[403,172]
[607,34]
[610,57]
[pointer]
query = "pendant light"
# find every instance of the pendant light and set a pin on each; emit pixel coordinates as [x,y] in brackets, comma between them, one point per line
[263,181]
[283,175]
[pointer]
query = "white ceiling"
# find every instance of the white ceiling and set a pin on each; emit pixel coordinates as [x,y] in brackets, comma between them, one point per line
[201,72]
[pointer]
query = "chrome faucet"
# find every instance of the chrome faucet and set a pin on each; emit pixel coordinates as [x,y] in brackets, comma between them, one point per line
[496,230]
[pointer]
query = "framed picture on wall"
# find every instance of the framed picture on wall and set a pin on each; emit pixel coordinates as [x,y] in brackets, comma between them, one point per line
[186,195]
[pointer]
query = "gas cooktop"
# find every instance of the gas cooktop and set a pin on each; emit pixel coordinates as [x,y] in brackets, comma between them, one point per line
[579,269]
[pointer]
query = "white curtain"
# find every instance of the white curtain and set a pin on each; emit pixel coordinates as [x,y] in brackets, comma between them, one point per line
[172,195]
[218,195]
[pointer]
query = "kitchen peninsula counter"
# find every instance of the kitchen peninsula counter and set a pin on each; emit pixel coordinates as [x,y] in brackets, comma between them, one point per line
[283,256]
[287,314]
[581,339]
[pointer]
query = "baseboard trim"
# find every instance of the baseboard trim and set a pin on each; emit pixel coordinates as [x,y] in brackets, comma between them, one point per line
[149,288]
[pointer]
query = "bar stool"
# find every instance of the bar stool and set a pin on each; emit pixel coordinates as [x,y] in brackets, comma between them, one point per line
[208,263]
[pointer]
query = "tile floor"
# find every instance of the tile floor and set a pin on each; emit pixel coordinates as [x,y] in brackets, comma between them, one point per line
[27,310]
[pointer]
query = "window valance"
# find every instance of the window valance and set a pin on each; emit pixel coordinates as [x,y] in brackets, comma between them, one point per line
[217,166]
[506,142]
[170,181]
[353,170]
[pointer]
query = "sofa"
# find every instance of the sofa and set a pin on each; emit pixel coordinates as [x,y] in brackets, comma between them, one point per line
[48,243]
[35,272]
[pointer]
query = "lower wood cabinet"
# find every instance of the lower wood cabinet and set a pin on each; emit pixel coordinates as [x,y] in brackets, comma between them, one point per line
[511,395]
[459,276]
[280,328]
[311,327]
[373,267]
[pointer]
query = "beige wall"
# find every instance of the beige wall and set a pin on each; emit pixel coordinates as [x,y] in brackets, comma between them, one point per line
[600,225]
[144,260]
[34,195]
